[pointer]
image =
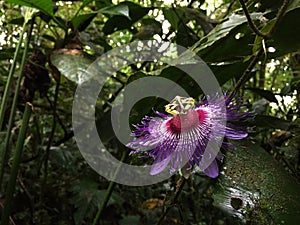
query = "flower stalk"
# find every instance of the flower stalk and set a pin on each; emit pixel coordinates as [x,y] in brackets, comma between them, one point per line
[109,190]
[15,166]
[5,153]
[179,187]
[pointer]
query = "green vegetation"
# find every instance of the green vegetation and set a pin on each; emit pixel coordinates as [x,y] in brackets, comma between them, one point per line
[251,46]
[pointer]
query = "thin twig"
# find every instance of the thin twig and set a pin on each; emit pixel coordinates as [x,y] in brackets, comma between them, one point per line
[110,189]
[246,74]
[174,198]
[51,135]
[250,22]
[187,28]
[279,17]
[11,221]
[228,8]
[29,196]
[255,59]
[56,115]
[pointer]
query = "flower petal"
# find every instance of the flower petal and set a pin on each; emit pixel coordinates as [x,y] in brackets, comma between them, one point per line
[191,138]
[235,134]
[212,170]
[159,166]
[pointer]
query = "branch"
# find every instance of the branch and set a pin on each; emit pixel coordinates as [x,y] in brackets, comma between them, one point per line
[173,200]
[250,22]
[247,73]
[255,59]
[279,16]
[110,188]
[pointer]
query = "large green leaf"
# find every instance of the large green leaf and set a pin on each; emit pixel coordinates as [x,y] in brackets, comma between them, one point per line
[172,17]
[264,4]
[286,37]
[45,6]
[6,53]
[255,189]
[228,41]
[227,71]
[118,22]
[129,220]
[269,95]
[88,198]
[72,66]
[81,19]
[182,79]
[295,80]
[121,10]
[271,122]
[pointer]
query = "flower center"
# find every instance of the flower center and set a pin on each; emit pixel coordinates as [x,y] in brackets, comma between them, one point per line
[186,122]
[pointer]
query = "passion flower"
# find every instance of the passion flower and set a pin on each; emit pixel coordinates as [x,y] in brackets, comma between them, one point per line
[181,139]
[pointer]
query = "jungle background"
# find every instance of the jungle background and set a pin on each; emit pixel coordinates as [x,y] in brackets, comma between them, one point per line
[251,47]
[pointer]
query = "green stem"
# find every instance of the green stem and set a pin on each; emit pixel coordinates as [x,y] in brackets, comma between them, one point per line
[109,190]
[173,200]
[247,74]
[63,26]
[107,196]
[5,153]
[15,166]
[250,22]
[10,78]
[51,137]
[279,17]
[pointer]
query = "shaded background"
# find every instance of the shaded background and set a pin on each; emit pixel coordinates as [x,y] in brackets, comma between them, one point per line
[259,182]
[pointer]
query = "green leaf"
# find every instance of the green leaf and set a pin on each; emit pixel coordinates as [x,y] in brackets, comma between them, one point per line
[46,6]
[129,220]
[222,30]
[185,38]
[88,198]
[265,5]
[121,10]
[286,35]
[295,80]
[264,93]
[7,53]
[220,45]
[285,38]
[86,2]
[185,81]
[226,71]
[18,21]
[49,38]
[256,189]
[293,5]
[72,66]
[79,20]
[172,17]
[136,76]
[271,122]
[120,22]
[142,108]
[258,40]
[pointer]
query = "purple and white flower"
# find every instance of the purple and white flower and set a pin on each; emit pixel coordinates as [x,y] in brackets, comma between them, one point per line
[181,140]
